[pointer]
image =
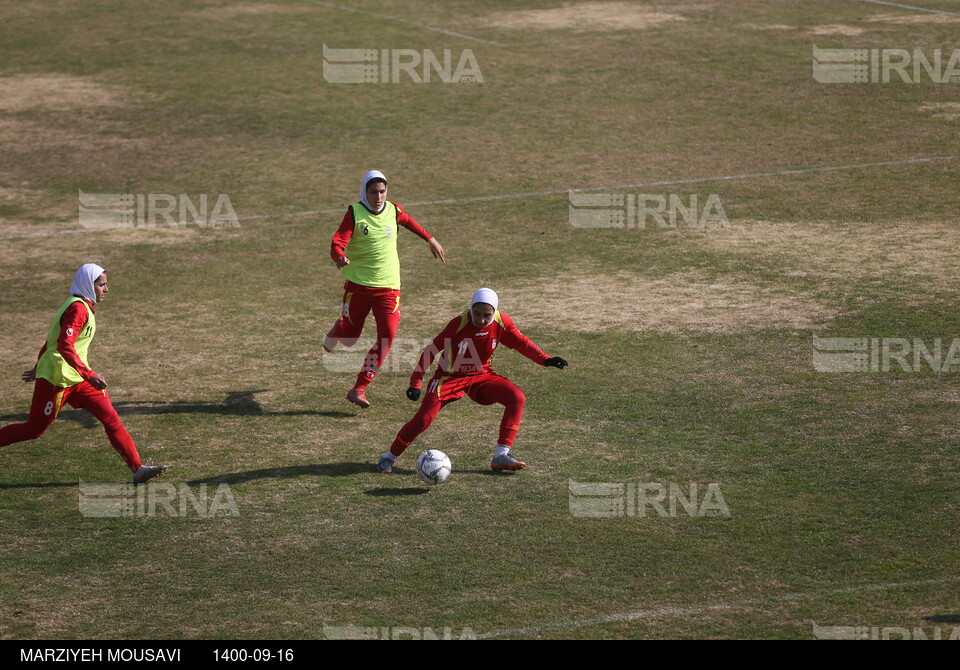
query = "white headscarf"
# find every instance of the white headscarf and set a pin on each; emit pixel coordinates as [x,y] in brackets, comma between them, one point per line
[84,279]
[486,295]
[373,174]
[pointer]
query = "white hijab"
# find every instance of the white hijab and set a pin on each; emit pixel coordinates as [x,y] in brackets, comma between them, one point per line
[373,174]
[487,295]
[84,279]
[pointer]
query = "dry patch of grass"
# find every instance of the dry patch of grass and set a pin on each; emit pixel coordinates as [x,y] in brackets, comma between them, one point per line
[837,29]
[694,302]
[582,17]
[38,136]
[828,251]
[914,19]
[771,26]
[54,122]
[678,303]
[947,111]
[231,11]
[56,92]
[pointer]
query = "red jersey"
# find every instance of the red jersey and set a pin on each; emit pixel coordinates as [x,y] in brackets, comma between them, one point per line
[466,350]
[342,237]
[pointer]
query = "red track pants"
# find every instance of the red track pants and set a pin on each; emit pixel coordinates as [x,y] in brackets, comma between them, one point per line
[486,388]
[47,402]
[358,302]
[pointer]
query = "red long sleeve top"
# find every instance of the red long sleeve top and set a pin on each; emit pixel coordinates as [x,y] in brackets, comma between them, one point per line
[466,350]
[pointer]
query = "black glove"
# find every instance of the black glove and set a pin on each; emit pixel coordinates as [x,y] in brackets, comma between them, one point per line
[413,394]
[556,362]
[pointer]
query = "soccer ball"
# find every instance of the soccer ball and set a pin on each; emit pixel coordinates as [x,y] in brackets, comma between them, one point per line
[433,466]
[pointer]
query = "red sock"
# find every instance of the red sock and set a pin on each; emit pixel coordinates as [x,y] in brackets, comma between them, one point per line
[508,433]
[398,446]
[124,445]
[364,379]
[98,403]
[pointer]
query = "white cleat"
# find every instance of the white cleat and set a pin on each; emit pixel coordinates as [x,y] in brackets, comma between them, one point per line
[145,472]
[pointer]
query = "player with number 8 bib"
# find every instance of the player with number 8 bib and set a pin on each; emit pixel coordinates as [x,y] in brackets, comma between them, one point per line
[62,375]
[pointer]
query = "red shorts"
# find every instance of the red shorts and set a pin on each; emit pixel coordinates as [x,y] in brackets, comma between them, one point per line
[358,302]
[48,400]
[485,388]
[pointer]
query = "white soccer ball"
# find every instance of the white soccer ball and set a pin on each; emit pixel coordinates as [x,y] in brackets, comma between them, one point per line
[433,466]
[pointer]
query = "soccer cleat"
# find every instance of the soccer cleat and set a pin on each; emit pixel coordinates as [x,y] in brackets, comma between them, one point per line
[329,341]
[145,472]
[506,462]
[358,397]
[385,465]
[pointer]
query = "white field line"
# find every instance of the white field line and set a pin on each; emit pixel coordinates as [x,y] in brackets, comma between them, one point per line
[703,609]
[537,194]
[917,9]
[408,22]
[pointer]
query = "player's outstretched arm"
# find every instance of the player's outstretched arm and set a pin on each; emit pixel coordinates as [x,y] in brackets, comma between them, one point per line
[513,338]
[410,224]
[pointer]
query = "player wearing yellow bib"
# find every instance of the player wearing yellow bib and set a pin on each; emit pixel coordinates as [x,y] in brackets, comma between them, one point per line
[365,250]
[62,375]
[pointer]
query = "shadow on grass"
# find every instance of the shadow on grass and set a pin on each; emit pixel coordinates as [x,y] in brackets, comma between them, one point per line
[490,472]
[237,403]
[943,618]
[396,492]
[324,470]
[318,470]
[38,485]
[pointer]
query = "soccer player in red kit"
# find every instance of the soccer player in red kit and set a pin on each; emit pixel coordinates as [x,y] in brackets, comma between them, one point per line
[465,347]
[62,375]
[365,250]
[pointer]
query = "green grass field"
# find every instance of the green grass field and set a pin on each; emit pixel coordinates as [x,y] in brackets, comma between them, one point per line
[691,349]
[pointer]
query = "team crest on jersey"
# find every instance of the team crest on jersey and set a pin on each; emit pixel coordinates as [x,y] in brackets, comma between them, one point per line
[494,343]
[389,232]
